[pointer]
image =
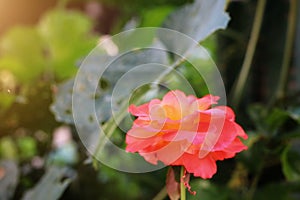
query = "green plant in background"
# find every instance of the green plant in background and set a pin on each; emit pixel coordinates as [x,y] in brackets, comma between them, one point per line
[31,60]
[67,36]
[50,51]
[47,52]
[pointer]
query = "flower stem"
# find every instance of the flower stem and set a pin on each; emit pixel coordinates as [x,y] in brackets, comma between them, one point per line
[182,186]
[288,50]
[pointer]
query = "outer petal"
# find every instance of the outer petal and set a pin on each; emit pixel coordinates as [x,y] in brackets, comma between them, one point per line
[225,111]
[205,102]
[221,155]
[227,136]
[240,131]
[204,168]
[207,168]
[236,146]
[150,157]
[141,110]
[135,144]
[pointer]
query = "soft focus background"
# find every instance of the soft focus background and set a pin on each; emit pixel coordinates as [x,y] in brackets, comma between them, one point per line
[41,44]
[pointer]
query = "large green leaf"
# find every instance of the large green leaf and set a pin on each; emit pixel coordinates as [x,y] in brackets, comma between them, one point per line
[67,36]
[51,186]
[9,179]
[22,53]
[8,149]
[267,121]
[197,20]
[111,69]
[62,104]
[290,160]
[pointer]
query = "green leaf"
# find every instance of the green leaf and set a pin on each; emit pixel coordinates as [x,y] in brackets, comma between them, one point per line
[6,100]
[62,103]
[9,179]
[276,119]
[27,147]
[257,148]
[267,121]
[290,160]
[67,36]
[155,17]
[197,20]
[51,186]
[8,149]
[22,53]
[112,73]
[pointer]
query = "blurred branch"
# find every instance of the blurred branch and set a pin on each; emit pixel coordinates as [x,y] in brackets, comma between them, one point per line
[240,84]
[109,128]
[162,194]
[290,37]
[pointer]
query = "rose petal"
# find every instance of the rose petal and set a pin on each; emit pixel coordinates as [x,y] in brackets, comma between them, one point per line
[171,152]
[205,102]
[141,110]
[185,130]
[205,168]
[173,187]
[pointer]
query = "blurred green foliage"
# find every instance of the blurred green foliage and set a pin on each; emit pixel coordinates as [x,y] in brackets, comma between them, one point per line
[48,51]
[34,59]
[68,37]
[139,7]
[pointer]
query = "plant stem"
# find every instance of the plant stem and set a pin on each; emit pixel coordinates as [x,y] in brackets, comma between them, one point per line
[240,84]
[161,195]
[287,50]
[112,123]
[251,192]
[182,186]
[169,70]
[109,127]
